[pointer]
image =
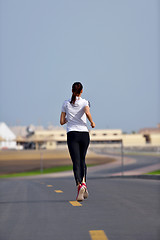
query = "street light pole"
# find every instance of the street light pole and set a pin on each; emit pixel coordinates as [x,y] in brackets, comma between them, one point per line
[41,162]
[122,158]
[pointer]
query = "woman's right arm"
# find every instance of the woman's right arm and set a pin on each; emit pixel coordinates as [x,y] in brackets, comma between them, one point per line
[88,114]
[63,119]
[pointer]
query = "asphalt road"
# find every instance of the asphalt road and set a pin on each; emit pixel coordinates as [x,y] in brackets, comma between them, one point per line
[139,161]
[124,209]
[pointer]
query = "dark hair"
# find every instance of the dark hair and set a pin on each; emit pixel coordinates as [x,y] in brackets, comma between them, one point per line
[76,90]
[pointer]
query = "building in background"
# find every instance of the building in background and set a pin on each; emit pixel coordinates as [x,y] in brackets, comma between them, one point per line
[150,130]
[152,135]
[55,137]
[51,139]
[7,137]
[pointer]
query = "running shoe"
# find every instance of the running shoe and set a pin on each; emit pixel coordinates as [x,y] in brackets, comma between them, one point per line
[85,195]
[80,193]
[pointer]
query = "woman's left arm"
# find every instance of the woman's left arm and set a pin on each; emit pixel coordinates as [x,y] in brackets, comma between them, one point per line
[63,119]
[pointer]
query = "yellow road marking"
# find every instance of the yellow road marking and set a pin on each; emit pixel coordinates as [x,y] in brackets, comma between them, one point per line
[49,185]
[98,235]
[75,203]
[58,191]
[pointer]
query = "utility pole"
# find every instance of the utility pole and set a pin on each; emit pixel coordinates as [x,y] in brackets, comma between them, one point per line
[122,158]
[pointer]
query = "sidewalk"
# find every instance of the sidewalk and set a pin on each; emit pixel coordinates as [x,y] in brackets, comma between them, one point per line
[139,171]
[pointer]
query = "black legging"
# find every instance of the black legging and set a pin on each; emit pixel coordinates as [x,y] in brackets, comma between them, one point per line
[78,143]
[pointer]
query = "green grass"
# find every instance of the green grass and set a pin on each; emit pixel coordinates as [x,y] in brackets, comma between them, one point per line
[155,172]
[45,171]
[36,172]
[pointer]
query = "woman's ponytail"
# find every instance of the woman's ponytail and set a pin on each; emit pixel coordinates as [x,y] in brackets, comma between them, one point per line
[73,98]
[76,90]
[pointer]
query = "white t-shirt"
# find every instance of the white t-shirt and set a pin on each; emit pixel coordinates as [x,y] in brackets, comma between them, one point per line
[76,117]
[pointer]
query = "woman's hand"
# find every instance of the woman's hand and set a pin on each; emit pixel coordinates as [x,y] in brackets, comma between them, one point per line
[93,124]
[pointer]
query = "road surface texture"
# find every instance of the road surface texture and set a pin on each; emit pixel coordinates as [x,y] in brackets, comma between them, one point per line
[132,165]
[43,209]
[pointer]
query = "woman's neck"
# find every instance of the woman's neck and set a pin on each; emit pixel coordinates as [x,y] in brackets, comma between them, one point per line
[79,95]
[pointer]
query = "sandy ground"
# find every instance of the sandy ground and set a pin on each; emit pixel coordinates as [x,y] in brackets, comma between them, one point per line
[12,161]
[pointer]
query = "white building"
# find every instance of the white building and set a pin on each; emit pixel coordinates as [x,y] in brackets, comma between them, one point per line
[7,137]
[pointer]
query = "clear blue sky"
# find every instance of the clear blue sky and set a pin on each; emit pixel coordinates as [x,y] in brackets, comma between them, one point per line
[111,46]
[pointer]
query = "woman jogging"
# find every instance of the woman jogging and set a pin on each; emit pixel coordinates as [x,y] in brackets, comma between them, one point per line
[74,112]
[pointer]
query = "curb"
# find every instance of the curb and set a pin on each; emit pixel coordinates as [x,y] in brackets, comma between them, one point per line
[146,177]
[150,177]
